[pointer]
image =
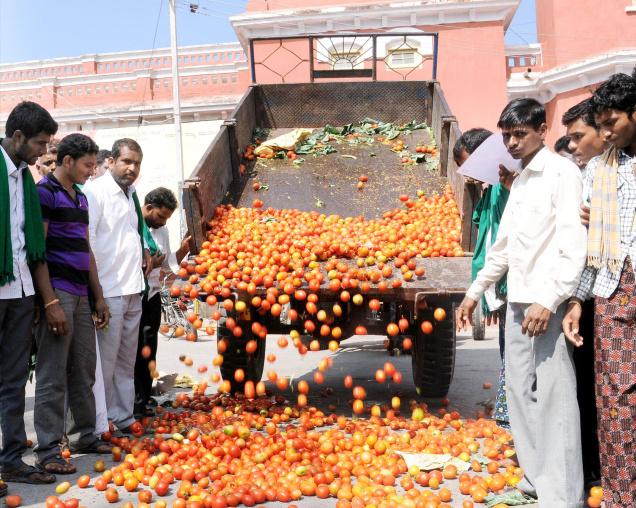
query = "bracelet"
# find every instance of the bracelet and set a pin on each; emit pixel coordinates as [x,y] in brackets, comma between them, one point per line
[52,302]
[577,302]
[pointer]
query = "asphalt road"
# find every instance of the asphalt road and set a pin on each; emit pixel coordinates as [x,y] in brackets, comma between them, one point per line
[476,363]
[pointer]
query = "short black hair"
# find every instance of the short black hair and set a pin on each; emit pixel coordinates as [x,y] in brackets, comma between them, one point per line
[562,144]
[131,144]
[102,155]
[522,111]
[470,140]
[76,145]
[583,111]
[31,119]
[161,198]
[618,92]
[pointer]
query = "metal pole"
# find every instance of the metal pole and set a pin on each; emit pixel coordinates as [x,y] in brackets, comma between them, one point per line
[176,106]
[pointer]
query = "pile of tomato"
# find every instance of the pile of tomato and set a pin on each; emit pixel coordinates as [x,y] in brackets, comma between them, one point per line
[226,456]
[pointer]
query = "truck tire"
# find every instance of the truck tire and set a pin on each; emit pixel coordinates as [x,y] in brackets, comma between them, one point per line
[433,357]
[235,356]
[479,327]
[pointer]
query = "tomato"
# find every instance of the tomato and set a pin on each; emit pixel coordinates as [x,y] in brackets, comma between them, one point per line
[13,501]
[83,481]
[111,494]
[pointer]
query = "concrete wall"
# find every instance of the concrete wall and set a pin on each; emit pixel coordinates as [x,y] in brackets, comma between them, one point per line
[159,166]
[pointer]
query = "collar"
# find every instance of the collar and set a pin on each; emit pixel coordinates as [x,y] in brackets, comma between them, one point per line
[11,167]
[539,161]
[56,183]
[114,187]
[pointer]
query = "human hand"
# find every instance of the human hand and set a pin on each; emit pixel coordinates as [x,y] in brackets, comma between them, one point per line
[464,313]
[492,318]
[506,177]
[158,259]
[536,320]
[56,319]
[584,214]
[147,263]
[571,322]
[102,313]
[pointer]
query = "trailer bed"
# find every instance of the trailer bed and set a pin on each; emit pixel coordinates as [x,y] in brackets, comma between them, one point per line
[327,183]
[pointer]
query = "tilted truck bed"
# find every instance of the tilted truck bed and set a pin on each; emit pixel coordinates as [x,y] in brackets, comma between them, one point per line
[327,184]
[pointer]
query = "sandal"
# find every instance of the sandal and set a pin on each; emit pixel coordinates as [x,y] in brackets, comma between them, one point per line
[57,464]
[98,446]
[24,473]
[4,490]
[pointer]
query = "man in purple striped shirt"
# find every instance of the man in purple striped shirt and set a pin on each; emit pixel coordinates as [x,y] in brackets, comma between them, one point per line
[66,358]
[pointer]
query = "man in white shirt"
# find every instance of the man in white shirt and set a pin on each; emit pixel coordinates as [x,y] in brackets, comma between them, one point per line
[116,237]
[159,205]
[29,128]
[541,243]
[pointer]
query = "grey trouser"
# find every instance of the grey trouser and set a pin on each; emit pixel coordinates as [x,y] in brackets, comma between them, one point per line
[65,364]
[16,332]
[543,410]
[118,351]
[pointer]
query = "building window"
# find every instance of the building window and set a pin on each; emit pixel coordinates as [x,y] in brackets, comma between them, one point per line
[223,79]
[124,86]
[60,92]
[133,86]
[98,89]
[345,61]
[115,66]
[115,89]
[165,60]
[184,81]
[403,58]
[207,57]
[166,83]
[204,81]
[233,78]
[216,57]
[195,81]
[78,91]
[106,89]
[214,80]
[88,90]
[99,67]
[69,92]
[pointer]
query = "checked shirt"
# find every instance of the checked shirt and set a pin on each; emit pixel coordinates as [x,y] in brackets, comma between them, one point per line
[603,282]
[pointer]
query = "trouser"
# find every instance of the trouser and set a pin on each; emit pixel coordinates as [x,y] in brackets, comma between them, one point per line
[66,364]
[16,332]
[101,412]
[544,415]
[117,349]
[615,358]
[148,331]
[584,365]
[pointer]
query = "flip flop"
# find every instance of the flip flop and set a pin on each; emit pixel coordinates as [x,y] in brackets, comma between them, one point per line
[24,473]
[58,465]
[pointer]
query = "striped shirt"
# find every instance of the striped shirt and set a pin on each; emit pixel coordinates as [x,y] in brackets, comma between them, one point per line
[67,248]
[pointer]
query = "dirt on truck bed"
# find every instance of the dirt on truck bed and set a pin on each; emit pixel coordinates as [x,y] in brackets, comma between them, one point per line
[327,183]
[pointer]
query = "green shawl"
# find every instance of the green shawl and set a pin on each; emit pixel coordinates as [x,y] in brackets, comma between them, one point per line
[33,227]
[487,216]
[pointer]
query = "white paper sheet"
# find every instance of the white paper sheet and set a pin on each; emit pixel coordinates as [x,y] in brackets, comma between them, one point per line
[483,163]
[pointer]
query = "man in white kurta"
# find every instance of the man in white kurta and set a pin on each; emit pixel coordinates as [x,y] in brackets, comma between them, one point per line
[118,250]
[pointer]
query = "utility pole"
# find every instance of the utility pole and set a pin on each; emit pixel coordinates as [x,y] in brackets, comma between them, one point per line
[176,106]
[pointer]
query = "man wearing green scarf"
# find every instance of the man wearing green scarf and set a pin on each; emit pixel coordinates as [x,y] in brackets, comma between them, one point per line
[29,128]
[116,237]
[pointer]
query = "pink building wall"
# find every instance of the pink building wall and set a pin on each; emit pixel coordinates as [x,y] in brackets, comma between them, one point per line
[570,30]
